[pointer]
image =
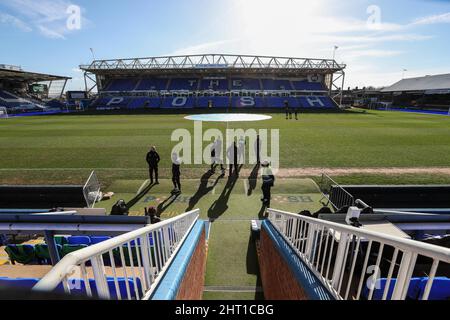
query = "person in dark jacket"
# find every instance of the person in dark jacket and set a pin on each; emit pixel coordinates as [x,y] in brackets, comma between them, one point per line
[233,159]
[286,108]
[268,181]
[216,154]
[153,214]
[153,161]
[176,173]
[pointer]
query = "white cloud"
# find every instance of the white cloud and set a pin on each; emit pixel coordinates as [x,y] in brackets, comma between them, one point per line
[433,19]
[15,22]
[372,53]
[49,17]
[52,34]
[311,29]
[203,48]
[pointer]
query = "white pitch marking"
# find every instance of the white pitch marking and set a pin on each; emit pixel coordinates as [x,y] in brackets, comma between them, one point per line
[246,186]
[142,186]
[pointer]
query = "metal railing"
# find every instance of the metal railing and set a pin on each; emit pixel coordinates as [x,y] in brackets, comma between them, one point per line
[215,61]
[91,190]
[141,256]
[351,262]
[334,193]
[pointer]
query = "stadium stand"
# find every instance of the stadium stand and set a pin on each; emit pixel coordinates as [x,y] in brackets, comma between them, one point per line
[245,84]
[214,85]
[305,85]
[248,102]
[23,92]
[144,102]
[182,102]
[279,102]
[276,85]
[122,85]
[316,102]
[80,288]
[152,84]
[213,102]
[39,253]
[178,102]
[188,82]
[439,291]
[4,95]
[184,84]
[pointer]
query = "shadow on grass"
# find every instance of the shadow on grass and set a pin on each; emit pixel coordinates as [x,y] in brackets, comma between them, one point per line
[252,180]
[262,212]
[167,203]
[203,189]
[139,196]
[253,265]
[219,206]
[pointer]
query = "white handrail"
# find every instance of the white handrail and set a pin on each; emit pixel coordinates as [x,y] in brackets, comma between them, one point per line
[167,237]
[313,240]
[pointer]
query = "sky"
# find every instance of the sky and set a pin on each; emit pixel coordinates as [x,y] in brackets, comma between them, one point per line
[380,41]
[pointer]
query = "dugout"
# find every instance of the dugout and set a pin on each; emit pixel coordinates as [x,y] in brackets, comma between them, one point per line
[41,197]
[405,196]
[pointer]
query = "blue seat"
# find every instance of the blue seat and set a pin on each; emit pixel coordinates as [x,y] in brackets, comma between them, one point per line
[439,291]
[152,84]
[178,102]
[144,102]
[279,102]
[216,102]
[122,85]
[276,85]
[305,85]
[189,84]
[78,286]
[95,240]
[112,102]
[320,102]
[248,102]
[6,95]
[78,240]
[378,293]
[122,288]
[245,84]
[214,84]
[22,283]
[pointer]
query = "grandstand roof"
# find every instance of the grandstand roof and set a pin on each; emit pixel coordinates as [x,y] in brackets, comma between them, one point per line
[18,75]
[217,63]
[439,82]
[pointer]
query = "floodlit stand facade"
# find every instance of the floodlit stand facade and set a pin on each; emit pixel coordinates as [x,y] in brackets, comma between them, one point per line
[97,73]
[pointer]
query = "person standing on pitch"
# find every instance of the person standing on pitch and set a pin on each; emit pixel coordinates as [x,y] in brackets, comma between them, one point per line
[258,149]
[153,161]
[241,151]
[268,181]
[216,156]
[176,173]
[232,159]
[296,113]
[286,107]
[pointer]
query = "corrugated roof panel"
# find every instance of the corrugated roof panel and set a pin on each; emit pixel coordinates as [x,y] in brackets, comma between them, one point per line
[437,82]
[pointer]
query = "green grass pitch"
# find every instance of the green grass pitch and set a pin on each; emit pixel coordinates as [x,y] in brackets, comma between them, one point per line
[64,149]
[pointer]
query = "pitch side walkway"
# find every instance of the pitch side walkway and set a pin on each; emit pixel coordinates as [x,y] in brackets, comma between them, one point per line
[229,204]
